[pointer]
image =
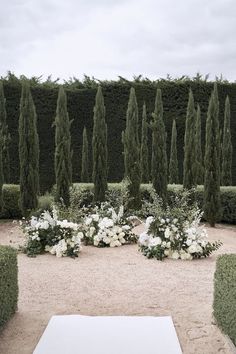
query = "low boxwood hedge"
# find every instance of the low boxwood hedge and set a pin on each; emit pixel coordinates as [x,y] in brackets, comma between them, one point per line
[8,283]
[225,294]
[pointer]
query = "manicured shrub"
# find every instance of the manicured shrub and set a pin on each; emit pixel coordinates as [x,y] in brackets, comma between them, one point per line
[5,136]
[227,150]
[199,169]
[173,164]
[8,283]
[224,304]
[11,197]
[144,151]
[85,159]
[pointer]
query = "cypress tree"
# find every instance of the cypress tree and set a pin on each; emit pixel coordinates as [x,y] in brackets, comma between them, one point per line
[130,138]
[85,158]
[63,153]
[226,169]
[5,136]
[144,153]
[189,178]
[99,148]
[212,205]
[173,165]
[1,171]
[159,157]
[198,144]
[28,152]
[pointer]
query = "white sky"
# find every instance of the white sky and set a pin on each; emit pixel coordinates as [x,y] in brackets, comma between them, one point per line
[104,39]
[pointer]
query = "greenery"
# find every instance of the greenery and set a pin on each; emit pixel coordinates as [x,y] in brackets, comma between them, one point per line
[1,171]
[8,283]
[173,164]
[63,153]
[5,136]
[227,149]
[199,169]
[212,206]
[189,178]
[144,152]
[28,152]
[159,156]
[116,93]
[130,139]
[225,294]
[85,158]
[99,148]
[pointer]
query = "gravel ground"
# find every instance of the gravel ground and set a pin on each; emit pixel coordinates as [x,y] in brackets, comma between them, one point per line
[116,281]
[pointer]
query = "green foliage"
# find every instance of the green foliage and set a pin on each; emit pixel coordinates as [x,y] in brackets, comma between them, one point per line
[28,152]
[130,139]
[85,158]
[225,294]
[173,165]
[5,136]
[80,108]
[8,283]
[189,178]
[227,150]
[99,148]
[212,205]
[144,152]
[198,149]
[159,157]
[11,198]
[63,153]
[1,170]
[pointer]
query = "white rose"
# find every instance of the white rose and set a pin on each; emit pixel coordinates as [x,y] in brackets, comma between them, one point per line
[188,242]
[88,221]
[112,244]
[155,241]
[175,255]
[167,233]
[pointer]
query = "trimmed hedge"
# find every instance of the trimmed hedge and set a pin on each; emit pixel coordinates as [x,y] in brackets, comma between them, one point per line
[11,196]
[80,108]
[224,304]
[8,283]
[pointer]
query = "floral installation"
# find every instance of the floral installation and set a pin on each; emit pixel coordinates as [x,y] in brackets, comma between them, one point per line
[105,227]
[176,238]
[47,233]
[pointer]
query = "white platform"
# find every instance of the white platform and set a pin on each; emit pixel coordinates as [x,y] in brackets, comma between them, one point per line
[109,335]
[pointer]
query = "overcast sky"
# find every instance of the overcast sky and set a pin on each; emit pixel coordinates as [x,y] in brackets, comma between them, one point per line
[107,38]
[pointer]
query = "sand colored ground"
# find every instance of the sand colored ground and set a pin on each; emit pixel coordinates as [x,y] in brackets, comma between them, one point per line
[118,281]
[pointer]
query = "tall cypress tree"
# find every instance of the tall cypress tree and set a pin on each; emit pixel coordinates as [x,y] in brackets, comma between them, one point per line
[173,165]
[5,136]
[63,153]
[130,138]
[212,205]
[159,157]
[226,169]
[99,148]
[144,153]
[1,171]
[28,152]
[198,144]
[189,178]
[85,158]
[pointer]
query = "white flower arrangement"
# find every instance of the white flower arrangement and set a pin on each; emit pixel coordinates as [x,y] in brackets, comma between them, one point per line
[176,239]
[49,234]
[110,230]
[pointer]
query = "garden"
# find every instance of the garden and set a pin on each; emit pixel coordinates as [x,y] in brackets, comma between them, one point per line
[142,226]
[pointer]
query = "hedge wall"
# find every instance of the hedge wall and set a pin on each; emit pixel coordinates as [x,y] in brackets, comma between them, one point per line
[80,107]
[8,283]
[225,294]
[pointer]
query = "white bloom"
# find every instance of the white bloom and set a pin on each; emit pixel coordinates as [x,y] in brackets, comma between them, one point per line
[188,242]
[88,221]
[162,221]
[167,233]
[95,217]
[126,227]
[148,222]
[155,241]
[175,255]
[144,239]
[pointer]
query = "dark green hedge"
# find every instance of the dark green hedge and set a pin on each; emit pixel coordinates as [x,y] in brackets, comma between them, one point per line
[8,283]
[80,107]
[11,195]
[225,294]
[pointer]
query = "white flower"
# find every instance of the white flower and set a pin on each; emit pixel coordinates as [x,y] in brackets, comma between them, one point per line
[148,222]
[155,241]
[126,227]
[175,255]
[167,233]
[188,242]
[88,221]
[144,239]
[95,217]
[162,221]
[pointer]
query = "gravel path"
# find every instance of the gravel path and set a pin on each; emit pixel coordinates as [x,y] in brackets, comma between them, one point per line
[116,281]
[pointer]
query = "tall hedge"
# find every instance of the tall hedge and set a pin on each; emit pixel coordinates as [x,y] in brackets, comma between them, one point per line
[28,152]
[116,95]
[198,149]
[173,164]
[226,172]
[85,159]
[144,152]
